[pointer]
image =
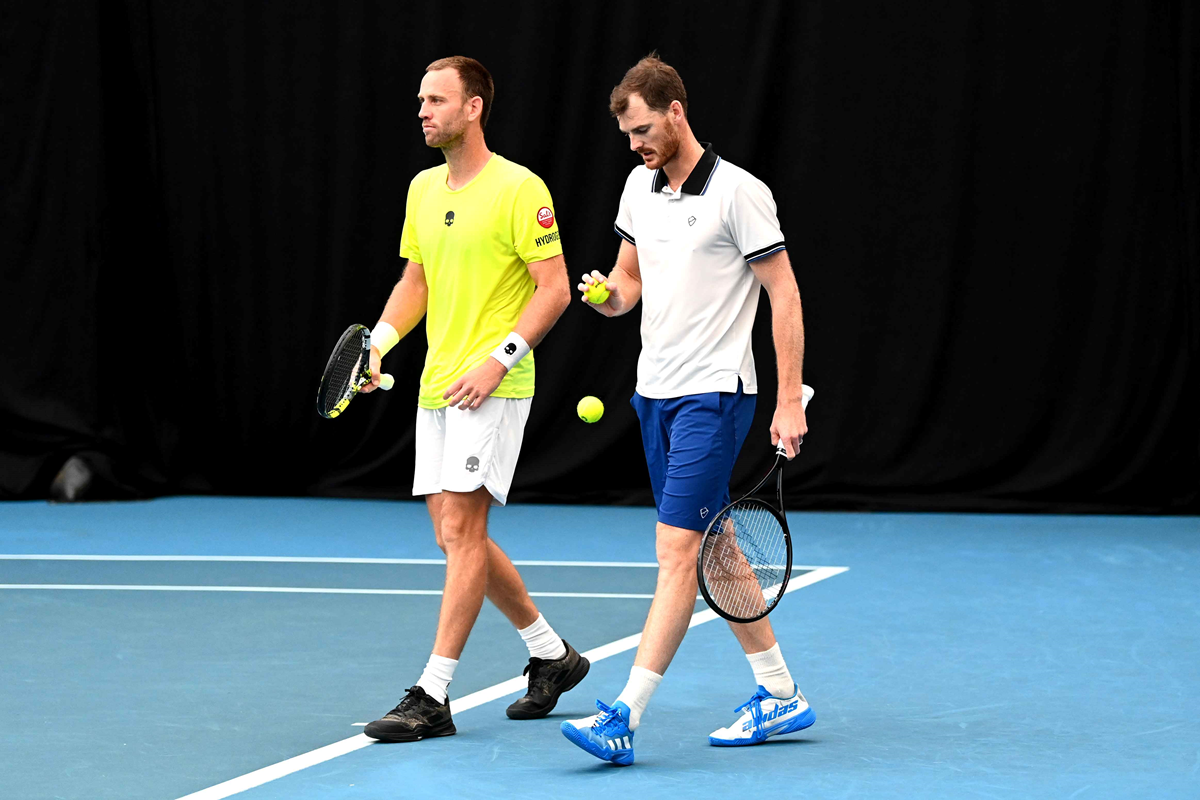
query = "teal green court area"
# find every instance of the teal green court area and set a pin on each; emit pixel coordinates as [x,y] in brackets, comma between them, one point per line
[222,647]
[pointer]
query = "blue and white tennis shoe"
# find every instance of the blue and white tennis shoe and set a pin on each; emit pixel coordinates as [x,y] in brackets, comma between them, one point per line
[765,716]
[605,735]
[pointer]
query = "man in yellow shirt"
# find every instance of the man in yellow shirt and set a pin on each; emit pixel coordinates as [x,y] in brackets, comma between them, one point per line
[485,268]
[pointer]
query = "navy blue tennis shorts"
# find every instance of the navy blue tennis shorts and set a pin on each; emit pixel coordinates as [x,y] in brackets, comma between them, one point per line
[691,445]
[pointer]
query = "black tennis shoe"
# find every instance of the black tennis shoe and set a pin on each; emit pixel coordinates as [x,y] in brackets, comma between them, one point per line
[418,716]
[549,680]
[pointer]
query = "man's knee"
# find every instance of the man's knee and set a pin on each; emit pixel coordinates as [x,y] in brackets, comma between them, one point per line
[676,548]
[463,520]
[460,535]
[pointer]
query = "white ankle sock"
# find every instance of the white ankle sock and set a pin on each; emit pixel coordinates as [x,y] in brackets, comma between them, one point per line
[636,694]
[542,641]
[771,673]
[435,680]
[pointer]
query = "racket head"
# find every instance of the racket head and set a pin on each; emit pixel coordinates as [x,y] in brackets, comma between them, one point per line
[745,560]
[347,371]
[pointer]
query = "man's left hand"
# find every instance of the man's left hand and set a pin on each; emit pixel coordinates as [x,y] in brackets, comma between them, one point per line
[789,426]
[472,389]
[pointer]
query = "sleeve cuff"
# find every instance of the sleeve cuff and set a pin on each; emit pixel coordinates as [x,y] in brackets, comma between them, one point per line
[763,252]
[624,235]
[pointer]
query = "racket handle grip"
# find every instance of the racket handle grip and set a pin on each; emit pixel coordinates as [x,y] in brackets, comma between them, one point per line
[386,381]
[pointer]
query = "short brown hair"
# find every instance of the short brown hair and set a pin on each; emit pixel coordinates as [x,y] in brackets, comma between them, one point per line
[476,81]
[657,83]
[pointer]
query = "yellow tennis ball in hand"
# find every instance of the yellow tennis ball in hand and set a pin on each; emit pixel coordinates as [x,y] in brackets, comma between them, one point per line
[590,409]
[596,294]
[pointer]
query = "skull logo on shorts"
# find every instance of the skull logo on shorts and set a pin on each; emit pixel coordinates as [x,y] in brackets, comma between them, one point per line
[472,464]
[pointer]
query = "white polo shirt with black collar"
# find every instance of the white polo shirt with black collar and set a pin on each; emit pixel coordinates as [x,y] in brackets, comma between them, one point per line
[699,294]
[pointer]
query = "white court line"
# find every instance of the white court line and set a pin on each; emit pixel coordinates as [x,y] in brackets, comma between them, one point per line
[311,560]
[321,560]
[511,686]
[132,587]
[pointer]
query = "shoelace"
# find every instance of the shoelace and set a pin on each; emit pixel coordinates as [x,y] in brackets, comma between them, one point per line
[410,699]
[606,717]
[538,681]
[755,706]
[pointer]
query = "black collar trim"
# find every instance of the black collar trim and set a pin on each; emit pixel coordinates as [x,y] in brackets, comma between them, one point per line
[697,182]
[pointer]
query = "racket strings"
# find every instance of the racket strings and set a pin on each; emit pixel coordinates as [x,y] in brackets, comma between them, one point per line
[347,368]
[744,565]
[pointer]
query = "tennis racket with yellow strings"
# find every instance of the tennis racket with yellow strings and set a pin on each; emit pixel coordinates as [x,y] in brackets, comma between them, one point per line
[348,370]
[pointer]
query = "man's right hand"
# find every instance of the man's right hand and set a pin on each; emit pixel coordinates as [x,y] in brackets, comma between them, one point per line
[376,371]
[610,307]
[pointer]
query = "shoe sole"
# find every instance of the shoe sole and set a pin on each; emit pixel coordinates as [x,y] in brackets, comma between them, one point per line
[445,730]
[575,678]
[622,758]
[801,722]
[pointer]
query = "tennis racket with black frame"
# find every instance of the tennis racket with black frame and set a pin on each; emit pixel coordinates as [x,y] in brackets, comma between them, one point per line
[348,370]
[745,559]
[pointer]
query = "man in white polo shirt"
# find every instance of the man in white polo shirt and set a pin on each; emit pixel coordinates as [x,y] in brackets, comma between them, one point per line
[700,236]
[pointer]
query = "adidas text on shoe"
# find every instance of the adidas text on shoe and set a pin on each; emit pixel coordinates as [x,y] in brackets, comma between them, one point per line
[765,716]
[605,735]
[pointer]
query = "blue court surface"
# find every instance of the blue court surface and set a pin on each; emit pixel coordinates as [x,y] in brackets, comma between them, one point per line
[954,656]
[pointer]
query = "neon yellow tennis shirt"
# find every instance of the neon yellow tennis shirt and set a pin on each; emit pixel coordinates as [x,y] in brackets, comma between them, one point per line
[474,244]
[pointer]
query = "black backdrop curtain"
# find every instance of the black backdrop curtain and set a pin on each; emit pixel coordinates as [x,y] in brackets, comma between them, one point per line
[991,210]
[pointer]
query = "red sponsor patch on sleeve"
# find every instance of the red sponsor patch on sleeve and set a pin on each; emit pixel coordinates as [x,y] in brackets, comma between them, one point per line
[545,217]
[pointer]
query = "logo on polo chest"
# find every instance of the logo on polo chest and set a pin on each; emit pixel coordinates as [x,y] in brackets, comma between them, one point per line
[449,218]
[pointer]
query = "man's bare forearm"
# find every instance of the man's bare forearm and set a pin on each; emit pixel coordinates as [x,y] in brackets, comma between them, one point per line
[627,276]
[631,289]
[787,328]
[408,302]
[544,309]
[549,301]
[787,323]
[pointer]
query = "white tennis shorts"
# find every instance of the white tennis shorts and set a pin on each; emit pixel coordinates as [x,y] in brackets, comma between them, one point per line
[459,451]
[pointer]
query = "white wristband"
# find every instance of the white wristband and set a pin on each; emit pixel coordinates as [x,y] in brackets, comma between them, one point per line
[384,337]
[511,350]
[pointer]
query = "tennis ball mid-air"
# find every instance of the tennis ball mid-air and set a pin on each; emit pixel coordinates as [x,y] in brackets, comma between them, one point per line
[590,409]
[596,294]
